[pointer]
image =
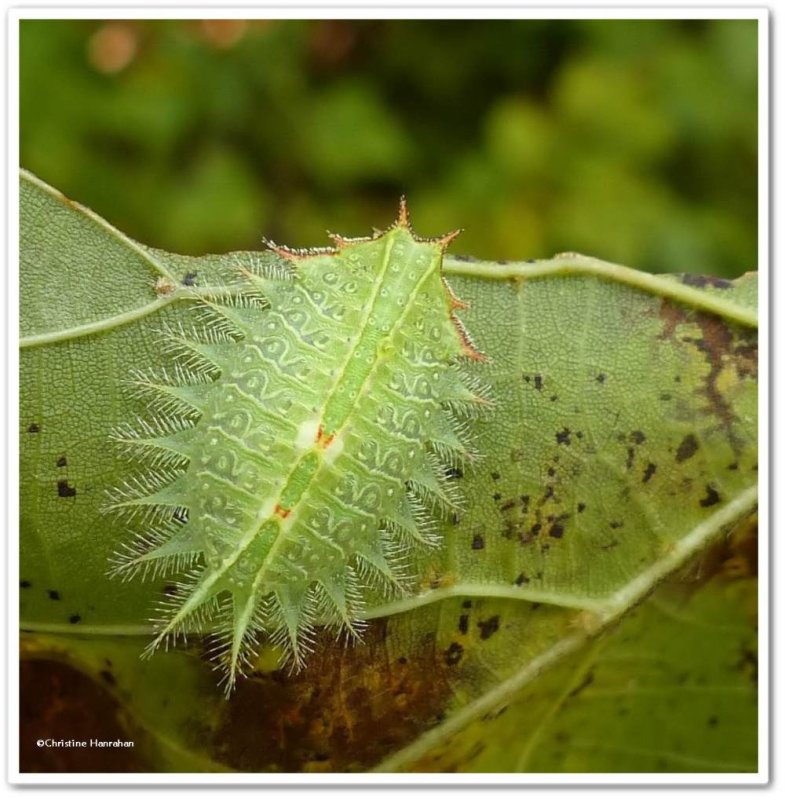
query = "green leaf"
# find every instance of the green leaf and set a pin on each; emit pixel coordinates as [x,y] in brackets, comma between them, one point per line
[621,445]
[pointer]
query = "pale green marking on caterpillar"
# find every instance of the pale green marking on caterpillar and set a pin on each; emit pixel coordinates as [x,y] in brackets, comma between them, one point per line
[298,452]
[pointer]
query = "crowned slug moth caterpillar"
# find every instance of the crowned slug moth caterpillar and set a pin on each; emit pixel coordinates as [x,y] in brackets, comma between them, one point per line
[299,451]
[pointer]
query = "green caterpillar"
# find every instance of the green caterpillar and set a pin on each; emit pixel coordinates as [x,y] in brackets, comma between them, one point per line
[301,447]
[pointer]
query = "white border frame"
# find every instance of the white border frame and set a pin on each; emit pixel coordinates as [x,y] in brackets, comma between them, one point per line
[316,10]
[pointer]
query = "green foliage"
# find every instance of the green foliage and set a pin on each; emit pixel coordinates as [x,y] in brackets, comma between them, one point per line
[632,140]
[622,445]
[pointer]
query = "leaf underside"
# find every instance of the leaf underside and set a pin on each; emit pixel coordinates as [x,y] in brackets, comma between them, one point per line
[622,441]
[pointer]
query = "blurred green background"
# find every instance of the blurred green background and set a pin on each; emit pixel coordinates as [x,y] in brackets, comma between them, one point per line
[634,141]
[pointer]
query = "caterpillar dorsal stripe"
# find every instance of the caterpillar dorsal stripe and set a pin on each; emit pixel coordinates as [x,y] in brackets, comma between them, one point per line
[301,446]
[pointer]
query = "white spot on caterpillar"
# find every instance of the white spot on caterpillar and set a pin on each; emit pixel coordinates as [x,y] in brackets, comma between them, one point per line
[306,434]
[266,511]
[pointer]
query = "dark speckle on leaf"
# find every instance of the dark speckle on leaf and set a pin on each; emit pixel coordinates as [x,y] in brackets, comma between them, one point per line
[536,528]
[701,281]
[649,472]
[463,623]
[581,507]
[712,497]
[556,531]
[521,579]
[25,584]
[107,676]
[563,436]
[638,437]
[33,427]
[54,594]
[665,396]
[615,524]
[587,681]
[453,473]
[64,490]
[478,542]
[466,604]
[554,398]
[495,476]
[190,279]
[74,619]
[712,721]
[497,496]
[488,626]
[62,461]
[687,448]
[538,382]
[455,519]
[601,378]
[453,654]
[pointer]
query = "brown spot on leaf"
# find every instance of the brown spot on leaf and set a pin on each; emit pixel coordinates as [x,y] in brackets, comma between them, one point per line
[556,530]
[718,343]
[746,359]
[712,497]
[687,448]
[488,626]
[453,654]
[702,281]
[65,490]
[352,707]
[59,702]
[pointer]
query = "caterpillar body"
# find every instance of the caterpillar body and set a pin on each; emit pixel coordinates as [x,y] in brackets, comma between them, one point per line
[302,445]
